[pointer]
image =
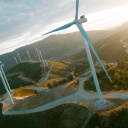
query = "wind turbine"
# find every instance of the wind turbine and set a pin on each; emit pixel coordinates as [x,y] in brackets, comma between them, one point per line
[2,71]
[15,59]
[28,54]
[5,83]
[42,58]
[18,55]
[38,54]
[87,43]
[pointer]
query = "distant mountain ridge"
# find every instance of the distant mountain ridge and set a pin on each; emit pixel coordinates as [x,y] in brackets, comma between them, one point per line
[110,48]
[65,46]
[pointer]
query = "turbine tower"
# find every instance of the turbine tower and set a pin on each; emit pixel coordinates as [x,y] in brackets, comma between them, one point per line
[15,60]
[18,55]
[87,43]
[28,54]
[42,58]
[38,54]
[5,83]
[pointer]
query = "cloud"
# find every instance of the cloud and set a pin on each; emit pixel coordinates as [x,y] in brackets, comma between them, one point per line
[37,17]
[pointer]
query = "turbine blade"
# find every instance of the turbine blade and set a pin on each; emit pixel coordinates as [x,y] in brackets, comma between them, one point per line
[60,28]
[91,46]
[77,7]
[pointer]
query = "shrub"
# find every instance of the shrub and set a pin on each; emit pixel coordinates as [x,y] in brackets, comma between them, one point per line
[55,83]
[50,85]
[77,81]
[125,87]
[70,77]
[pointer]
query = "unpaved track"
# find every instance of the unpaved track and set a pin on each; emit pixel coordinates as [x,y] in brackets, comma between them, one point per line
[26,79]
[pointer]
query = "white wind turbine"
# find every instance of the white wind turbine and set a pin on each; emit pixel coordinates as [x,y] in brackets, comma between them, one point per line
[42,57]
[28,54]
[87,43]
[18,55]
[5,82]
[38,54]
[15,60]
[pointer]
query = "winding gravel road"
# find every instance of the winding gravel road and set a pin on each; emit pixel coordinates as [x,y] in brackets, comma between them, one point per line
[81,94]
[46,78]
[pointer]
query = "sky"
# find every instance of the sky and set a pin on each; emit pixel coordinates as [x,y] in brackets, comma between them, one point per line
[22,22]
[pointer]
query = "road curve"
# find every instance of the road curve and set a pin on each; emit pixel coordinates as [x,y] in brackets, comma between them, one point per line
[47,76]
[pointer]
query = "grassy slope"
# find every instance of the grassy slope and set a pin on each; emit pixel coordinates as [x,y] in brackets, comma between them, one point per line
[25,92]
[119,75]
[63,116]
[60,69]
[116,118]
[63,68]
[30,70]
[109,49]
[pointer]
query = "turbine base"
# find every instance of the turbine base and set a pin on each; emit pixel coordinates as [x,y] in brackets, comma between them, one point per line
[99,103]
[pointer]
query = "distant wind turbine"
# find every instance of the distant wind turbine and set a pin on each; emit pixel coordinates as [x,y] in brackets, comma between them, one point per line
[42,58]
[18,55]
[5,76]
[5,82]
[15,60]
[38,54]
[87,43]
[28,54]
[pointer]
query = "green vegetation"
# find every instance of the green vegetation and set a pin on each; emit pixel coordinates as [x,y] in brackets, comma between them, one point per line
[63,116]
[14,83]
[119,75]
[115,119]
[56,83]
[30,70]
[1,110]
[81,68]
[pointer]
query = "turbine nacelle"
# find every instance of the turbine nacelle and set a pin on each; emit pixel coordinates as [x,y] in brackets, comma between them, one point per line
[82,20]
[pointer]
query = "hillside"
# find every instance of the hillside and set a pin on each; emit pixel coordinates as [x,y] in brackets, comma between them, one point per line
[64,46]
[116,118]
[118,74]
[60,69]
[64,68]
[111,48]
[63,116]
[14,83]
[29,70]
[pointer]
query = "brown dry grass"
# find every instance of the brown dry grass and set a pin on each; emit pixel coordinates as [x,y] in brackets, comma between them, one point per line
[42,84]
[45,83]
[25,92]
[60,69]
[124,105]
